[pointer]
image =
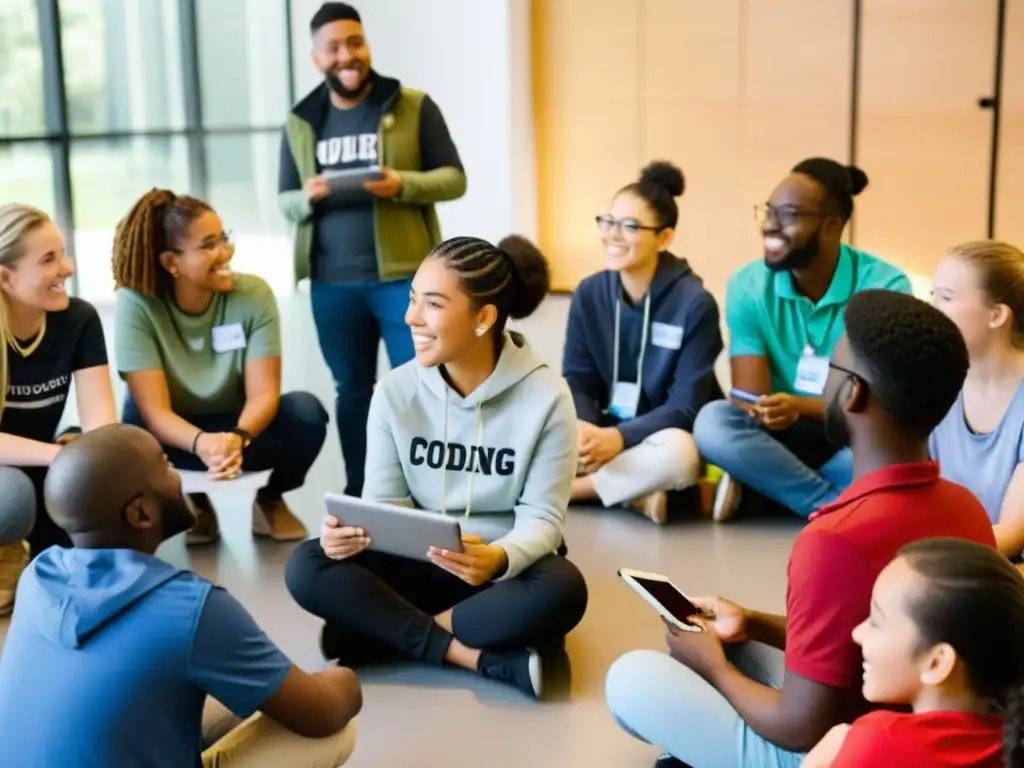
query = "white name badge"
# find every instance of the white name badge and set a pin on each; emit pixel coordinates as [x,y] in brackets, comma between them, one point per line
[811,374]
[625,397]
[227,338]
[666,336]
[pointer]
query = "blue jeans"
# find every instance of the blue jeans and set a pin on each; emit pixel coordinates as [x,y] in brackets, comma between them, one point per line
[655,698]
[289,446]
[796,467]
[350,320]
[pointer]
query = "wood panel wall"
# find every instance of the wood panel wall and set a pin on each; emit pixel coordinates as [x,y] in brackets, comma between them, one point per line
[737,91]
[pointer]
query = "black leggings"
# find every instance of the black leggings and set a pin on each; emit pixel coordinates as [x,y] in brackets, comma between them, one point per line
[392,601]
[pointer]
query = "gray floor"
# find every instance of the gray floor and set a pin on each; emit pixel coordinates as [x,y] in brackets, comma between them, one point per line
[450,718]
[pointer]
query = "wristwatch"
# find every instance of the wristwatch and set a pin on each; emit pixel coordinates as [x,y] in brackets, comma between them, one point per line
[246,437]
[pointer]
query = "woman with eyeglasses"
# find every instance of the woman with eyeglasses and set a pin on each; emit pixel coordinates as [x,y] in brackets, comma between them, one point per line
[200,350]
[640,351]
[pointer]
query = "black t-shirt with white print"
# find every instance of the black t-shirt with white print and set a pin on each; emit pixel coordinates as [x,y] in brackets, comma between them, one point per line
[37,385]
[344,246]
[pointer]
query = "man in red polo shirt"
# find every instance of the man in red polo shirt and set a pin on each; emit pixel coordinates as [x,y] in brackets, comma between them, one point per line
[721,700]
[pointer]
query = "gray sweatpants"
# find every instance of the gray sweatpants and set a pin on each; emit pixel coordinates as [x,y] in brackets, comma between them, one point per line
[17,505]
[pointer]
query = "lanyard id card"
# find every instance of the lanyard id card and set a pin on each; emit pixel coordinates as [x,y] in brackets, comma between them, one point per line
[811,373]
[626,394]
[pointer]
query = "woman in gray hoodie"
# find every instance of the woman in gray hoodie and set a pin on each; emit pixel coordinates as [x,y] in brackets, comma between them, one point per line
[477,425]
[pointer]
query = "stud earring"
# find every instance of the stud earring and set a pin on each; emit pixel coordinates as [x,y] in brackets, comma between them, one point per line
[481,330]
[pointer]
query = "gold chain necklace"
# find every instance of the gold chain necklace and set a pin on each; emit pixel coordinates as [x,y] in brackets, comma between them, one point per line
[27,350]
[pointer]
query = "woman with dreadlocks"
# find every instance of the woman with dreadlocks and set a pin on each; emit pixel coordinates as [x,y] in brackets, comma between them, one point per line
[200,350]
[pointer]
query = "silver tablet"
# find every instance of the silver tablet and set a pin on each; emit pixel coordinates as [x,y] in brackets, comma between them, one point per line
[397,530]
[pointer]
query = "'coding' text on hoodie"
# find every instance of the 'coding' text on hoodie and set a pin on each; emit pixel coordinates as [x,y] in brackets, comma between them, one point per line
[504,457]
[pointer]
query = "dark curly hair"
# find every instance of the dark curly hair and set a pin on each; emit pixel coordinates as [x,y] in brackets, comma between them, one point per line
[913,356]
[841,182]
[660,183]
[973,599]
[513,276]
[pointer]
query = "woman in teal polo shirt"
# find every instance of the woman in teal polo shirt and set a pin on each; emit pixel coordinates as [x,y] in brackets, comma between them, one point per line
[200,350]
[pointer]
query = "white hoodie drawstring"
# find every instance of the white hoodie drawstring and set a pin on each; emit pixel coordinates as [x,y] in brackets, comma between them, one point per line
[477,428]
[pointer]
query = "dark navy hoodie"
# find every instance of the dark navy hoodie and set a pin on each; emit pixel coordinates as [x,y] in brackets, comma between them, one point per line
[676,382]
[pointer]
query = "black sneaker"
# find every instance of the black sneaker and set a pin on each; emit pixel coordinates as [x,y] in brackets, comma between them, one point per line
[521,670]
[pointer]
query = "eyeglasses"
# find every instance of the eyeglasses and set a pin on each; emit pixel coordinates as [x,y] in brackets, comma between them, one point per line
[783,215]
[630,228]
[846,371]
[226,240]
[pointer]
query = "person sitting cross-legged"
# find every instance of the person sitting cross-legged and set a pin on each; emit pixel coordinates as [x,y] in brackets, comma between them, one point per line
[759,689]
[784,316]
[477,426]
[112,652]
[640,353]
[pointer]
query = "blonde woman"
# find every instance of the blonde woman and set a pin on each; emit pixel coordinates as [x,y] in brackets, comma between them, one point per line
[49,339]
[980,287]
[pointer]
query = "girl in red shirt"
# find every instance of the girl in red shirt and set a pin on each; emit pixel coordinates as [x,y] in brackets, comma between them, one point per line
[945,636]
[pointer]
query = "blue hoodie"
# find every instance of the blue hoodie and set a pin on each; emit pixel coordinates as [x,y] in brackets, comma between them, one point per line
[111,654]
[684,342]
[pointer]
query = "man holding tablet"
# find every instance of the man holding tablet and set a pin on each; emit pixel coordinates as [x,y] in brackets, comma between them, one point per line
[363,161]
[781,682]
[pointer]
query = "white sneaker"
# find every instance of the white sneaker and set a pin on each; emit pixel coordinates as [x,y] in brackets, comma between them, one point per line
[727,499]
[13,560]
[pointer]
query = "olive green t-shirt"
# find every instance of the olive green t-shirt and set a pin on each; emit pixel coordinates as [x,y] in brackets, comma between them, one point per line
[203,356]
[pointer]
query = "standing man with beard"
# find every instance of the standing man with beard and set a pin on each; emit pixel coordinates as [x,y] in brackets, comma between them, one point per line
[112,652]
[758,689]
[360,241]
[784,317]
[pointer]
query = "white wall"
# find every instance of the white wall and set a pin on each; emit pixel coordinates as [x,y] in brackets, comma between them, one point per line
[473,58]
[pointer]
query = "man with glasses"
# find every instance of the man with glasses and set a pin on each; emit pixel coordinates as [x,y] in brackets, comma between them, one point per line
[112,652]
[363,161]
[784,316]
[753,688]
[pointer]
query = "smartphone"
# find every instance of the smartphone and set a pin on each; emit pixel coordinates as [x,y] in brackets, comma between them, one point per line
[743,396]
[664,596]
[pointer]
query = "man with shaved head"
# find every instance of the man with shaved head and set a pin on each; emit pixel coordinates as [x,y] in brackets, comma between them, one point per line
[112,652]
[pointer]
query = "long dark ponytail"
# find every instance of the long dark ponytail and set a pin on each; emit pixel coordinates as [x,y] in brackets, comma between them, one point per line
[974,600]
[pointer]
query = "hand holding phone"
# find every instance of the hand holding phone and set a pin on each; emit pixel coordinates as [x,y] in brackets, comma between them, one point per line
[670,603]
[741,395]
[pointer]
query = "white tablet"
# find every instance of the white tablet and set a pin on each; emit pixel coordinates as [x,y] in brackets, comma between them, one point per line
[664,596]
[351,179]
[397,530]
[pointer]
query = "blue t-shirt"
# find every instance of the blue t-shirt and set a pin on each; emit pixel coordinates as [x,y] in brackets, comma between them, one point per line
[111,655]
[982,463]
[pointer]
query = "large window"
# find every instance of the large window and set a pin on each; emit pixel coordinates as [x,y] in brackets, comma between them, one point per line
[103,100]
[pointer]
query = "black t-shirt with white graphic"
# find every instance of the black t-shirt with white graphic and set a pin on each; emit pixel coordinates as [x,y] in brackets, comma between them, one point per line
[37,386]
[344,247]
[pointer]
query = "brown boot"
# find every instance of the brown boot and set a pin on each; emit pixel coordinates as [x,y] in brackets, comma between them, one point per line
[271,517]
[13,559]
[206,530]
